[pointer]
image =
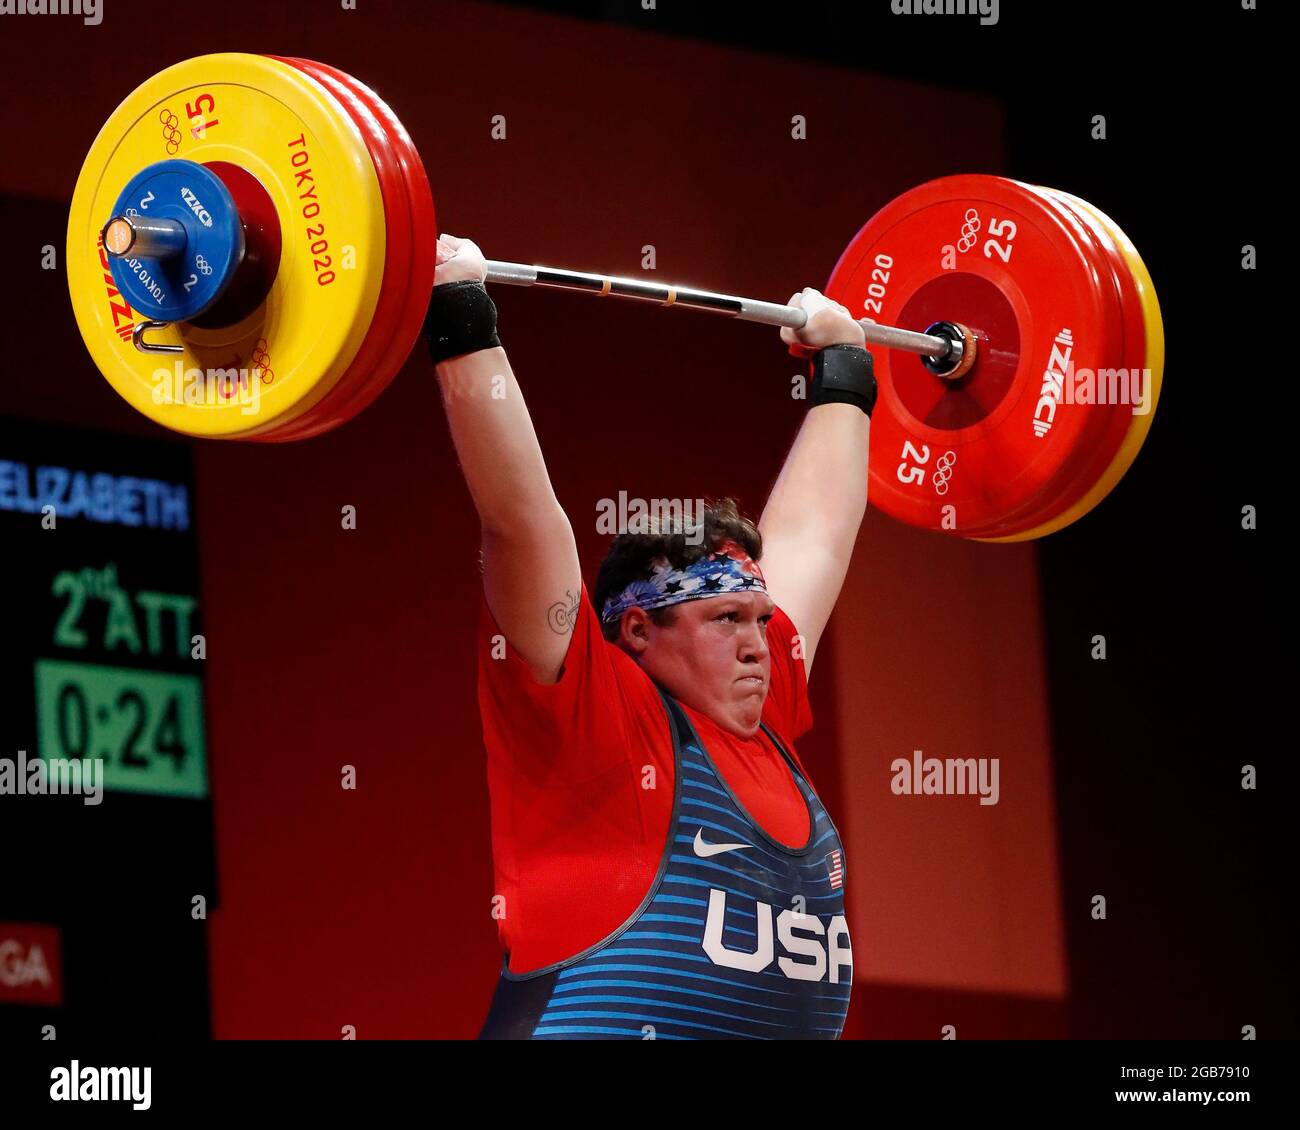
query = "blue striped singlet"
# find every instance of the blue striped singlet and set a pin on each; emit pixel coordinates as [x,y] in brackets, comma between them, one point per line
[738,937]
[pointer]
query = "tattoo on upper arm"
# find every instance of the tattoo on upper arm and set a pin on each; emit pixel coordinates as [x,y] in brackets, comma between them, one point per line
[562,615]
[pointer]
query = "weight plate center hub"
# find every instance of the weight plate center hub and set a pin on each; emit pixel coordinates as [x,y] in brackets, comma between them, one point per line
[946,404]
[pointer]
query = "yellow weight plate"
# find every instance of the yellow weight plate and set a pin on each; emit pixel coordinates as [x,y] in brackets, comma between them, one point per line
[1136,435]
[302,146]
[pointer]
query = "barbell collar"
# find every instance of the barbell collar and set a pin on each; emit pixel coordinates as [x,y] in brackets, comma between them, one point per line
[960,358]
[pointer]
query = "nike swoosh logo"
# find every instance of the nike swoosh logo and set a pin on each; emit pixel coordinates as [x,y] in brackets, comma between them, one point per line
[704,850]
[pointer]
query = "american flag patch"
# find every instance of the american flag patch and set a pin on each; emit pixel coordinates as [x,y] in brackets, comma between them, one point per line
[835,869]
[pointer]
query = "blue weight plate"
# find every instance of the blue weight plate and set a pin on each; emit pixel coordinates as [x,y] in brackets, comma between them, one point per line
[180,287]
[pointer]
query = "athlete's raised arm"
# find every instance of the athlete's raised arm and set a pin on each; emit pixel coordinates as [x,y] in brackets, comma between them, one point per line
[531,575]
[813,513]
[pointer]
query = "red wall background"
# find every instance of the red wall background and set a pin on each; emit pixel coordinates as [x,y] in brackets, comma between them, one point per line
[329,647]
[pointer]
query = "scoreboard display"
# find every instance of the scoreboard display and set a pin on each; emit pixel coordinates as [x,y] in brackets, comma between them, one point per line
[105,804]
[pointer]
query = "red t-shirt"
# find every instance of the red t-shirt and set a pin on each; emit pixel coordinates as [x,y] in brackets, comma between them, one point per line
[580,774]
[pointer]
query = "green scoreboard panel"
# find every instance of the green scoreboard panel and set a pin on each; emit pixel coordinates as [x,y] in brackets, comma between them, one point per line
[146,727]
[105,807]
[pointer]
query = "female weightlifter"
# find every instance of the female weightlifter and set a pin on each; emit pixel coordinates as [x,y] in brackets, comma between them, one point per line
[664,866]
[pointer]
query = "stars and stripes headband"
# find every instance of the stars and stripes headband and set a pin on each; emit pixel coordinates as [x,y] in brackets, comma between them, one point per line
[729,569]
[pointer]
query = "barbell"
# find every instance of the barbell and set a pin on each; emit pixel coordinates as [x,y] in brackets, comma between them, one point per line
[266,224]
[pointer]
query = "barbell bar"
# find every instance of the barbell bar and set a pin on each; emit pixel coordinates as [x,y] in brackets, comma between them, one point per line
[939,347]
[135,236]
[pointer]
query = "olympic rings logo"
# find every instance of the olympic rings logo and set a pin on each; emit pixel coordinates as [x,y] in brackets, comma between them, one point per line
[171,134]
[262,360]
[968,230]
[943,472]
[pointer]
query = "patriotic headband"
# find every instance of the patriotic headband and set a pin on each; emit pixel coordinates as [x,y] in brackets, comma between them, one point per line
[730,569]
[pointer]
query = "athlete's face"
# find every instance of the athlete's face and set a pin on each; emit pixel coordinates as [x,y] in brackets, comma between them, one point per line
[713,656]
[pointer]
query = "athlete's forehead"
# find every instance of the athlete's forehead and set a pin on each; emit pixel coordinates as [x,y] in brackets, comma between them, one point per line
[751,601]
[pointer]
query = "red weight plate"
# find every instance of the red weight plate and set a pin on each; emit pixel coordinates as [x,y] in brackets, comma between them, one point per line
[324,415]
[397,346]
[424,240]
[1080,392]
[262,244]
[425,229]
[990,254]
[327,413]
[1118,410]
[1152,358]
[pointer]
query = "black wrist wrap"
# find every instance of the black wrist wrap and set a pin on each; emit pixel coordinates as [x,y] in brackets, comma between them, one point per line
[843,374]
[461,319]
